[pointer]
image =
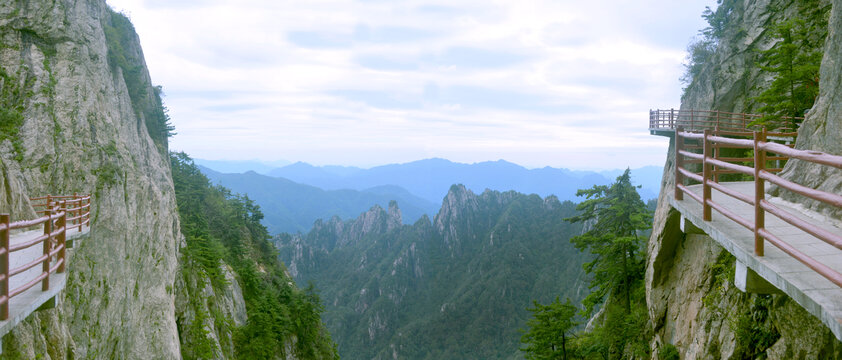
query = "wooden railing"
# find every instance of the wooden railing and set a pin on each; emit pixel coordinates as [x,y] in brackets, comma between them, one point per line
[708,141]
[79,207]
[57,212]
[699,120]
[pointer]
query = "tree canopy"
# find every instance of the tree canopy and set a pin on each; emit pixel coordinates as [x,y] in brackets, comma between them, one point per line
[549,329]
[616,216]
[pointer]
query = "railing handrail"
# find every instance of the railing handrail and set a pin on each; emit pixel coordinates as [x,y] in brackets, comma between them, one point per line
[57,214]
[761,147]
[698,120]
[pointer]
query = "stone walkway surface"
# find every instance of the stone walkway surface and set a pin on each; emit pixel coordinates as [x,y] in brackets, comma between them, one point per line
[30,300]
[816,294]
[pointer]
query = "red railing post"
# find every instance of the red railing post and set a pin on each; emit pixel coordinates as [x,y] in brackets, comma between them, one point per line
[48,208]
[715,152]
[88,214]
[45,266]
[679,163]
[78,212]
[706,148]
[62,237]
[692,120]
[759,191]
[5,221]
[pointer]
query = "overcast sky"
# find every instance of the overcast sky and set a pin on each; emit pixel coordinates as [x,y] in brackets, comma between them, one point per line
[368,82]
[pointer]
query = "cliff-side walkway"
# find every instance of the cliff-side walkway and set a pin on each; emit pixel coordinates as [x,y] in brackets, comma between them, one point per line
[33,298]
[29,258]
[811,290]
[778,245]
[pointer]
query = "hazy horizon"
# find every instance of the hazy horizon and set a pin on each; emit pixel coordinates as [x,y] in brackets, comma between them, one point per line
[282,163]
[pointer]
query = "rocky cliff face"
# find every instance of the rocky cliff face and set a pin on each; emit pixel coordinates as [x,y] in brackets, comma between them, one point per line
[81,132]
[822,128]
[689,278]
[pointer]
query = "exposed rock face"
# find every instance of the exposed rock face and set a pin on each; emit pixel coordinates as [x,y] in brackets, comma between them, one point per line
[81,134]
[196,297]
[822,129]
[691,298]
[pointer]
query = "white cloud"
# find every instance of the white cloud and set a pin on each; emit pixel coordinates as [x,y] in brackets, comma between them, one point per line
[542,82]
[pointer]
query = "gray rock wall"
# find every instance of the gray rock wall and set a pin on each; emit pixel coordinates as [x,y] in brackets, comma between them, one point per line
[822,128]
[81,134]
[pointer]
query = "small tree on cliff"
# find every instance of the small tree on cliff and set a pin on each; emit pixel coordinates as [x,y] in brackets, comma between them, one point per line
[615,215]
[794,61]
[548,335]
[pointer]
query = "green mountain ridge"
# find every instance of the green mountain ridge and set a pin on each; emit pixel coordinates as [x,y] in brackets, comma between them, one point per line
[452,287]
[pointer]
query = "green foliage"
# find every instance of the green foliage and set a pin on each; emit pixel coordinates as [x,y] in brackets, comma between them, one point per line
[124,53]
[699,54]
[794,61]
[701,50]
[618,216]
[12,99]
[668,352]
[722,271]
[458,291]
[220,227]
[549,330]
[754,331]
[718,20]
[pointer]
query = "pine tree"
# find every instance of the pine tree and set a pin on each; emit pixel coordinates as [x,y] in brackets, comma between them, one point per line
[795,61]
[617,215]
[547,337]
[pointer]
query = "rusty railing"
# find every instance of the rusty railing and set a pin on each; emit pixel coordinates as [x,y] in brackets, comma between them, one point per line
[710,141]
[57,212]
[699,120]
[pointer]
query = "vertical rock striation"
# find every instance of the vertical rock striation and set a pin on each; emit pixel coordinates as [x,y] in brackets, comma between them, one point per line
[822,128]
[82,131]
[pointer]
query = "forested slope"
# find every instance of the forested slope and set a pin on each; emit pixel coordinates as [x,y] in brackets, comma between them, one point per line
[454,287]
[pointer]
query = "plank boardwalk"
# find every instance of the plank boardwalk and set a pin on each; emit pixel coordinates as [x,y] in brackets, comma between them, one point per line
[812,291]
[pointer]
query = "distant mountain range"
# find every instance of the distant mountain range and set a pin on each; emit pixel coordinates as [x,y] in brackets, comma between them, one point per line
[431,178]
[241,166]
[291,207]
[295,195]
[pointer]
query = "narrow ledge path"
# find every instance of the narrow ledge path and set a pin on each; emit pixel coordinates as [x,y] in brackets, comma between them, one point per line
[808,288]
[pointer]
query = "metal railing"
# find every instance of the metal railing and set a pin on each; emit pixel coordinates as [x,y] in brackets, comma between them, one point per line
[58,211]
[699,120]
[761,173]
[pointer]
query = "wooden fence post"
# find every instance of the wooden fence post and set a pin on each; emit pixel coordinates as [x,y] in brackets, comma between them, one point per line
[78,212]
[692,120]
[88,213]
[759,191]
[45,266]
[679,163]
[706,167]
[4,266]
[62,237]
[715,151]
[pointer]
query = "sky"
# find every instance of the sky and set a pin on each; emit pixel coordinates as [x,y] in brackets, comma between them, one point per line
[539,83]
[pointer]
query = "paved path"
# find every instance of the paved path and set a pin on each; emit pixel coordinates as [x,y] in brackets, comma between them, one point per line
[30,300]
[816,294]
